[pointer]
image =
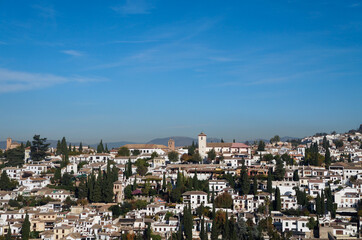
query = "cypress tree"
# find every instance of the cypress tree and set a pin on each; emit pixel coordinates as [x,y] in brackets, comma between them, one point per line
[188,223]
[8,234]
[134,186]
[244,179]
[195,181]
[147,235]
[25,228]
[97,191]
[106,150]
[179,232]
[202,230]
[226,234]
[277,201]
[214,231]
[74,148]
[80,147]
[269,183]
[70,147]
[100,147]
[213,194]
[164,182]
[255,186]
[318,204]
[59,148]
[28,144]
[327,158]
[295,175]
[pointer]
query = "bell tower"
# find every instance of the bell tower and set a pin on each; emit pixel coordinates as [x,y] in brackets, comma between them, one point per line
[9,141]
[202,145]
[171,144]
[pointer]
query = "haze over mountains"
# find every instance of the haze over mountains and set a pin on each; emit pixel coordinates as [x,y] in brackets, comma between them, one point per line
[179,142]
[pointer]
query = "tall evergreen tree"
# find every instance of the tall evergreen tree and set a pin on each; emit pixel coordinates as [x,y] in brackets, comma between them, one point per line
[28,144]
[255,186]
[214,230]
[295,175]
[106,149]
[70,147]
[195,181]
[202,229]
[318,204]
[277,201]
[226,234]
[164,185]
[269,183]
[97,191]
[244,180]
[80,149]
[327,158]
[8,234]
[100,147]
[25,228]
[39,148]
[188,223]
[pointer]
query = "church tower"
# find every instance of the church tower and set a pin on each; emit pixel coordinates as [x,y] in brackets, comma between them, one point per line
[171,144]
[202,145]
[9,141]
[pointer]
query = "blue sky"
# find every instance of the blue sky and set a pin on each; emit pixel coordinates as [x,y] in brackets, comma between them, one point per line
[135,70]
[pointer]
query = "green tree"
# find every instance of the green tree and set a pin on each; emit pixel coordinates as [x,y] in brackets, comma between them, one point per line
[277,201]
[203,233]
[187,222]
[261,146]
[100,147]
[214,230]
[123,151]
[211,154]
[318,204]
[154,155]
[80,149]
[5,183]
[255,186]
[275,139]
[295,175]
[128,192]
[244,180]
[196,158]
[173,156]
[14,157]
[8,234]
[223,201]
[269,182]
[25,228]
[279,169]
[327,158]
[39,148]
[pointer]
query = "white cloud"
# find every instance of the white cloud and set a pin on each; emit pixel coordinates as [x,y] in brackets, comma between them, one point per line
[73,53]
[15,81]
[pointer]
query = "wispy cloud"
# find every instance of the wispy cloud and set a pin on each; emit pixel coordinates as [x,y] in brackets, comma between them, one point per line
[133,7]
[354,5]
[73,53]
[45,11]
[15,81]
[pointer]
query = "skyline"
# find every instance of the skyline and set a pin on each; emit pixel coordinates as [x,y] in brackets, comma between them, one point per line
[138,70]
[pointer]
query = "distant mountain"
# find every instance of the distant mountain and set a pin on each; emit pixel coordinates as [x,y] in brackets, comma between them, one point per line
[53,143]
[179,141]
[112,145]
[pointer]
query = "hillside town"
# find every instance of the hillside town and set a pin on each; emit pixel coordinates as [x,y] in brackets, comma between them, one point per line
[306,188]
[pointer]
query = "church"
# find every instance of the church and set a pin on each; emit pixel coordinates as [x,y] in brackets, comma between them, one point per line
[221,148]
